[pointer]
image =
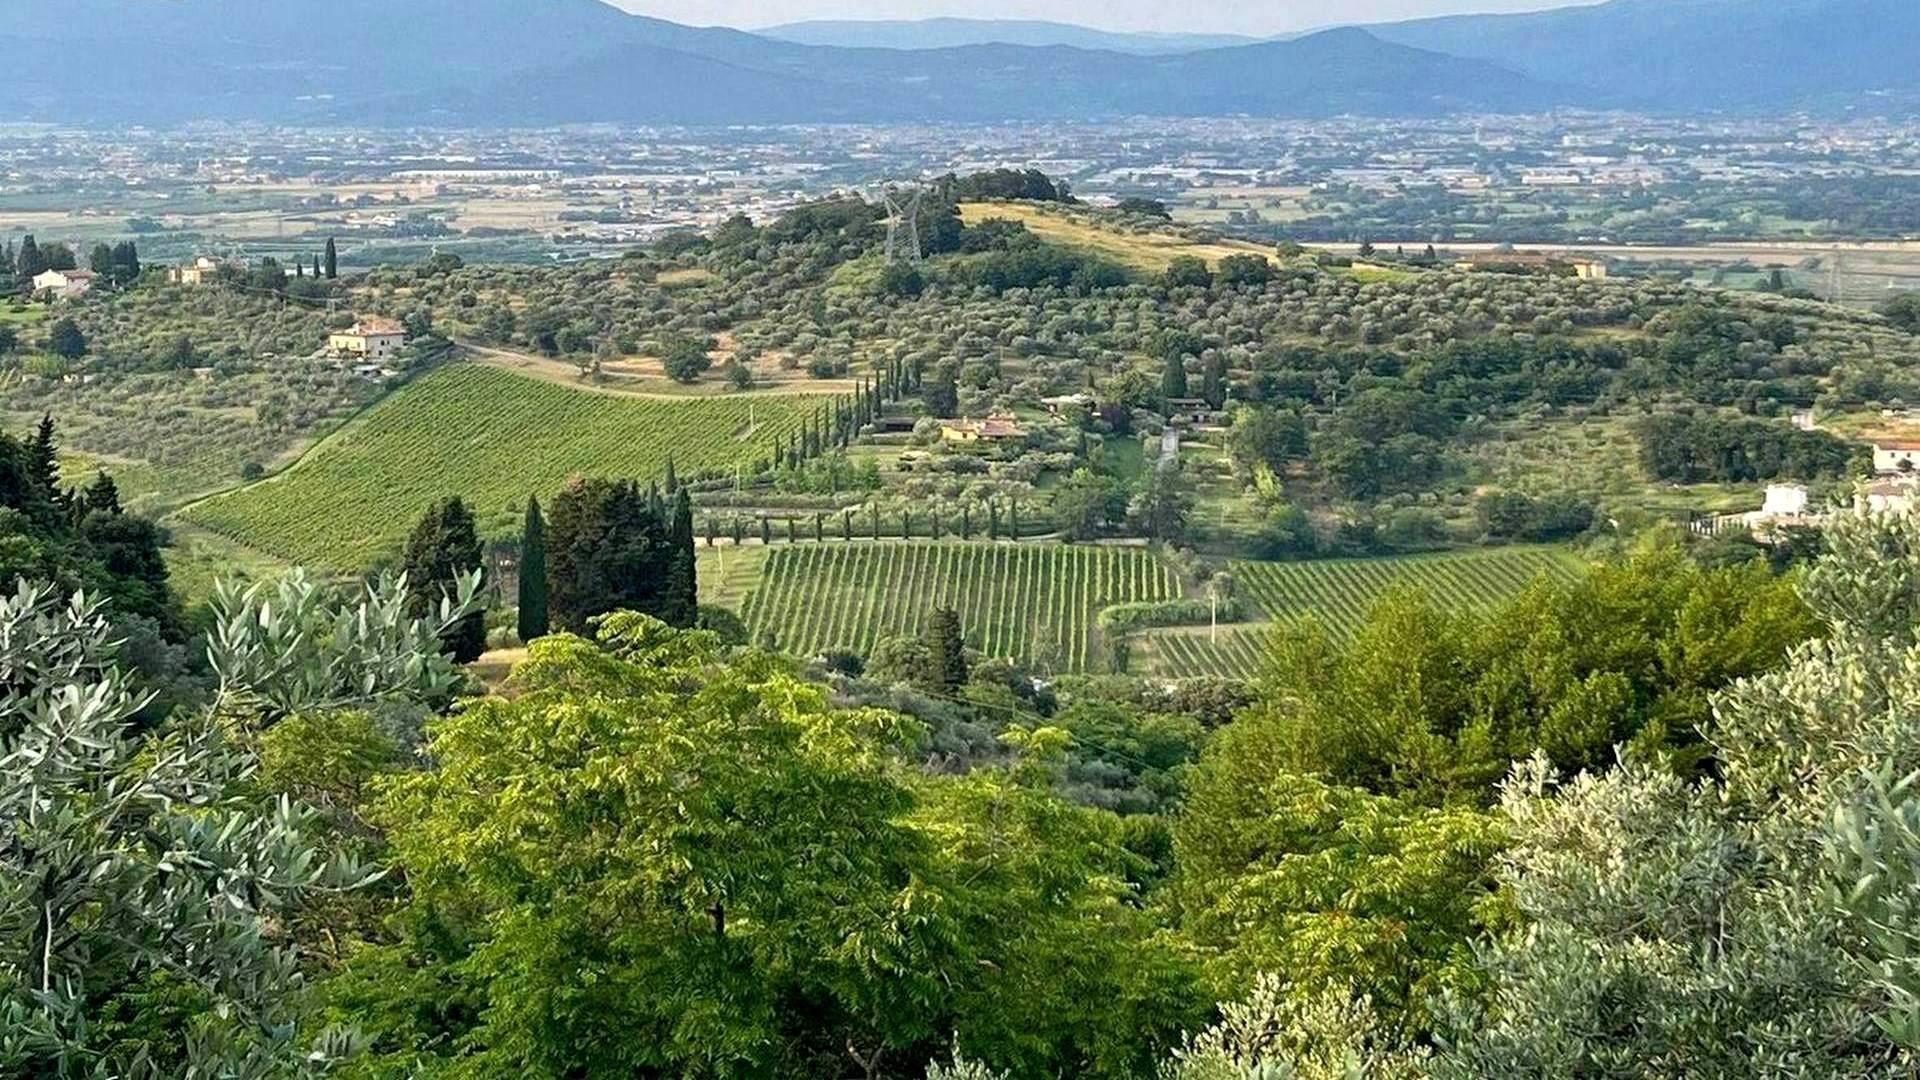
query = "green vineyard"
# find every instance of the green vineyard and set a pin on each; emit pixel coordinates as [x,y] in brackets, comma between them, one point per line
[492,438]
[1036,602]
[1235,652]
[1340,592]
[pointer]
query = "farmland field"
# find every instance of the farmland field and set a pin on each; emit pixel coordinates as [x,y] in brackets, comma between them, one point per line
[1036,602]
[492,438]
[1340,592]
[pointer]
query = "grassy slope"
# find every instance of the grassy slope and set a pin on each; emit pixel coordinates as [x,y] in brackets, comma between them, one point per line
[488,436]
[1148,252]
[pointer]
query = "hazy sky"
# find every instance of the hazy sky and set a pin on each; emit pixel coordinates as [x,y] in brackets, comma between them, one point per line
[1236,16]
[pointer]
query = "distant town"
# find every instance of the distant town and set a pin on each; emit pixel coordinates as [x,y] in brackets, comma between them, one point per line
[1603,180]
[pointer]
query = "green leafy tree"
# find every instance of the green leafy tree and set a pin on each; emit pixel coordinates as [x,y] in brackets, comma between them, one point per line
[1088,504]
[1330,886]
[1265,436]
[65,340]
[533,574]
[599,913]
[1160,507]
[1187,271]
[685,359]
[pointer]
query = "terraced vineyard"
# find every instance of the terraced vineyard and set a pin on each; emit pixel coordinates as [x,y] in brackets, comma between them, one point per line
[491,437]
[1036,602]
[1340,592]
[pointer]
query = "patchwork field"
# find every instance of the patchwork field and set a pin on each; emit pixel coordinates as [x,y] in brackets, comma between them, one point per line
[1037,602]
[1339,593]
[489,436]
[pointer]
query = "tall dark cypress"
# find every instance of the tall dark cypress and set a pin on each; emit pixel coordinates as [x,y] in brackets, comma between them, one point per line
[332,260]
[444,547]
[673,478]
[533,574]
[682,600]
[606,551]
[948,650]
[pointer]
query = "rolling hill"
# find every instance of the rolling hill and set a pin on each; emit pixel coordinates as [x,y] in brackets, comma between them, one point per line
[952,33]
[1702,54]
[513,62]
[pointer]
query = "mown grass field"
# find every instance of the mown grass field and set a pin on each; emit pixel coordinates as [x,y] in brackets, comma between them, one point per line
[1036,602]
[489,436]
[1147,252]
[1339,593]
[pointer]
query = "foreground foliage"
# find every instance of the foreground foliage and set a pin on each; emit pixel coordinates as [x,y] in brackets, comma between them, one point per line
[144,881]
[652,862]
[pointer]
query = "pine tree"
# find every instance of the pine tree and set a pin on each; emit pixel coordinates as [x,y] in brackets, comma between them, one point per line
[947,650]
[533,574]
[443,548]
[332,261]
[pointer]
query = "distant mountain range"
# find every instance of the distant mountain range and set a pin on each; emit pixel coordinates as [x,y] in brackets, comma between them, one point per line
[536,62]
[953,33]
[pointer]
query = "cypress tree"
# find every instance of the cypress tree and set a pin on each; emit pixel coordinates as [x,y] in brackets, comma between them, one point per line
[673,478]
[444,547]
[317,273]
[1173,381]
[533,574]
[332,260]
[43,467]
[947,650]
[680,601]
[29,261]
[606,551]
